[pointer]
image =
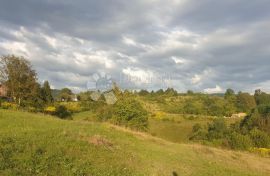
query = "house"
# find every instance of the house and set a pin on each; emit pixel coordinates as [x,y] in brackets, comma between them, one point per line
[3,90]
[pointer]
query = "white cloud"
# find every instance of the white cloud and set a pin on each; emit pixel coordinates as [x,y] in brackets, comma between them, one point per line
[139,76]
[178,60]
[196,79]
[19,48]
[216,89]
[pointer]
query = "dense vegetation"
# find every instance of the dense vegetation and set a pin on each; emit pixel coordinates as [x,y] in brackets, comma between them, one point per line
[201,104]
[252,131]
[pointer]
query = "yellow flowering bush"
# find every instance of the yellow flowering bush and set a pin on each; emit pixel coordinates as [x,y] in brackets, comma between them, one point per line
[160,115]
[50,109]
[72,106]
[261,151]
[8,105]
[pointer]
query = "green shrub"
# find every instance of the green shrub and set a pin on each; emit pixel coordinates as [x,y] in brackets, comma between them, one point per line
[196,128]
[239,141]
[200,134]
[129,112]
[260,138]
[218,129]
[62,112]
[104,113]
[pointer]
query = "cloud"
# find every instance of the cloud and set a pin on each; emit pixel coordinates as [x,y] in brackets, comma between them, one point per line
[187,44]
[216,89]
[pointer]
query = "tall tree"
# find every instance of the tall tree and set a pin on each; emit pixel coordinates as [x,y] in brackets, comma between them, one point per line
[19,77]
[262,97]
[229,93]
[47,92]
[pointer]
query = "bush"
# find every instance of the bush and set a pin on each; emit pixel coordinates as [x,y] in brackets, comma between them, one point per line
[7,105]
[239,141]
[104,113]
[72,106]
[199,134]
[196,127]
[260,138]
[31,109]
[217,129]
[129,112]
[62,112]
[261,151]
[50,110]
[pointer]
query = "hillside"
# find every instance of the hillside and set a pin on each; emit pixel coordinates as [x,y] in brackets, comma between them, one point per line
[33,144]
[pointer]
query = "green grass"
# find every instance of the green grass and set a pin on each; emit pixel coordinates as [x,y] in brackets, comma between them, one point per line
[174,131]
[35,144]
[85,115]
[177,127]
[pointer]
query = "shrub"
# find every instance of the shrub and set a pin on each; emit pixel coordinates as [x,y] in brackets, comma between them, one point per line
[72,106]
[104,113]
[260,138]
[50,110]
[7,105]
[129,112]
[239,141]
[261,151]
[31,109]
[196,128]
[200,134]
[159,115]
[217,129]
[62,112]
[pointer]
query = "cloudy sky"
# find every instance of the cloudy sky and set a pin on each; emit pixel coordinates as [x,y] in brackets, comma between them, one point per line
[204,45]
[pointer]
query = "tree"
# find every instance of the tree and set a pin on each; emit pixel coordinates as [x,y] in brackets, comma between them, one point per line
[143,92]
[261,97]
[230,102]
[129,112]
[37,100]
[190,92]
[19,77]
[245,102]
[160,92]
[171,92]
[47,93]
[229,93]
[65,94]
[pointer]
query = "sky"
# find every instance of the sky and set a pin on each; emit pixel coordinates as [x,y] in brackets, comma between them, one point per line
[204,45]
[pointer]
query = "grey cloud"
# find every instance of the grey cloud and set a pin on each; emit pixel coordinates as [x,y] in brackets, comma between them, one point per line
[224,43]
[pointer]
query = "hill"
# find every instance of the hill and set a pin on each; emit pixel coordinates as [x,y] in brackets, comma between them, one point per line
[37,144]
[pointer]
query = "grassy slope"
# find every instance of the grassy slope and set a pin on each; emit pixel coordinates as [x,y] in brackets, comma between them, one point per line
[179,129]
[32,144]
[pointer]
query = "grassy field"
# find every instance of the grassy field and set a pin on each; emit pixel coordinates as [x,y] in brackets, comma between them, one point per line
[171,127]
[35,144]
[178,128]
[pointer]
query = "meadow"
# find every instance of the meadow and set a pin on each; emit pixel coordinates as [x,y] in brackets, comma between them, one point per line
[38,144]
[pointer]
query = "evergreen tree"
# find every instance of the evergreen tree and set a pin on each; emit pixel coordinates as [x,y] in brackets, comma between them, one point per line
[47,92]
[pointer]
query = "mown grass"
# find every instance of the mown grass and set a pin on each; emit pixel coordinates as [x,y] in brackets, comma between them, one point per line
[36,144]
